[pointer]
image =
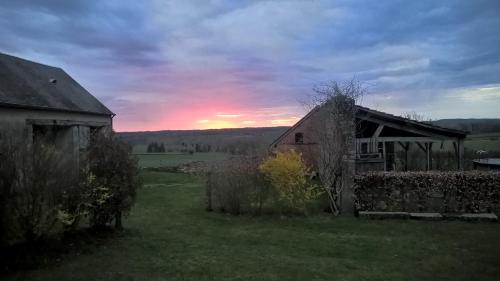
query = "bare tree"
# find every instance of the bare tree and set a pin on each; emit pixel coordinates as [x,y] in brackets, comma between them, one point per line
[412,115]
[335,131]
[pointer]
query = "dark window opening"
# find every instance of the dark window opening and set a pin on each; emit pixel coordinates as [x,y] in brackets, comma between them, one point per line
[45,134]
[299,138]
[381,147]
[57,136]
[364,148]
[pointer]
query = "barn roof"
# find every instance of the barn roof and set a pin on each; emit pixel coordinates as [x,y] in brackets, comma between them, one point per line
[424,126]
[28,84]
[365,112]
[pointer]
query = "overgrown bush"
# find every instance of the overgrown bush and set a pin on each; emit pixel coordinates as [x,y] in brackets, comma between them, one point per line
[287,174]
[235,186]
[43,193]
[111,180]
[250,185]
[7,176]
[445,192]
[33,178]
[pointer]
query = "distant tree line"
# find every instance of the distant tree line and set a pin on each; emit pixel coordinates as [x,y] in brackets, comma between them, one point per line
[155,147]
[235,146]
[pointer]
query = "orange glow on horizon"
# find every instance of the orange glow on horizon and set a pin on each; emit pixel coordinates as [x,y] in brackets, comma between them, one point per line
[208,119]
[208,102]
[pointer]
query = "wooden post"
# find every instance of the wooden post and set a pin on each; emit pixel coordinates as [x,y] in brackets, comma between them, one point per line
[425,148]
[385,156]
[460,149]
[406,147]
[429,156]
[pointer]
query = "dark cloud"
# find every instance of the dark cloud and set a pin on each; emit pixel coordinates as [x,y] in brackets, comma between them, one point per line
[273,51]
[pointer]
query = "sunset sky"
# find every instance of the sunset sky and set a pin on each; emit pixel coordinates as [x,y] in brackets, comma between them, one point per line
[214,64]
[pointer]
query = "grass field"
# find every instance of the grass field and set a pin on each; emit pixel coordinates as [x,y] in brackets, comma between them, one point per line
[169,236]
[153,160]
[487,142]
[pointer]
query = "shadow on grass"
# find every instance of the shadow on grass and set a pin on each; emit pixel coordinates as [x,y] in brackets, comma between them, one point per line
[53,251]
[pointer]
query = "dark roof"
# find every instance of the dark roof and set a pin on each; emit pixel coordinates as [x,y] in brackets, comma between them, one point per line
[367,112]
[27,84]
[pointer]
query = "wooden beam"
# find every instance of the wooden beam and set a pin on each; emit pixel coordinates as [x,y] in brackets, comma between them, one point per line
[401,139]
[402,127]
[378,131]
[424,148]
[404,145]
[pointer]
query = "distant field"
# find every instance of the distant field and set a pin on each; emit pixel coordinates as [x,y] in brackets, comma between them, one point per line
[140,148]
[154,160]
[488,142]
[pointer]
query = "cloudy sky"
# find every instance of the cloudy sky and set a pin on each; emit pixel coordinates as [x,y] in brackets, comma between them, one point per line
[211,64]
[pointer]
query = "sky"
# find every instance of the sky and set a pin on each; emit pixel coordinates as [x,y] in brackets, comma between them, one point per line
[215,64]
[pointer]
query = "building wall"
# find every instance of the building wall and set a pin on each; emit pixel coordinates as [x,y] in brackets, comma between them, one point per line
[72,129]
[308,148]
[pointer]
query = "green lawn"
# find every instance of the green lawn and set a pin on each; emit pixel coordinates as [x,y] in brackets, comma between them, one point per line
[153,160]
[170,236]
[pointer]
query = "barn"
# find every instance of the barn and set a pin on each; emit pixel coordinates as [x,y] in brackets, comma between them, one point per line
[383,142]
[41,101]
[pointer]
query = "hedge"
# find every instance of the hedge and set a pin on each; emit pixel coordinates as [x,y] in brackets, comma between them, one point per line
[434,191]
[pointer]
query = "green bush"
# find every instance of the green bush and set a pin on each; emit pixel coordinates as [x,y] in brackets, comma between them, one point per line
[111,180]
[446,192]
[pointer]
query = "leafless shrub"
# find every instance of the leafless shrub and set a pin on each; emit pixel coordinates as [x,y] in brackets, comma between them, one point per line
[235,186]
[412,115]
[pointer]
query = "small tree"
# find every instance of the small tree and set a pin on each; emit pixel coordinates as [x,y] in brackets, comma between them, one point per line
[287,174]
[335,132]
[112,179]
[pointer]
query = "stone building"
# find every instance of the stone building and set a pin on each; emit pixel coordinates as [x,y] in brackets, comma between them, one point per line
[383,141]
[40,101]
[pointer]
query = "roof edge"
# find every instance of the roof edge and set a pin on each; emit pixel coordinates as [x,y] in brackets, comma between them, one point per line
[415,122]
[460,133]
[23,106]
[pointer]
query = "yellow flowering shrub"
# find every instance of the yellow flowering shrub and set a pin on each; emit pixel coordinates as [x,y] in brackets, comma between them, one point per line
[287,174]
